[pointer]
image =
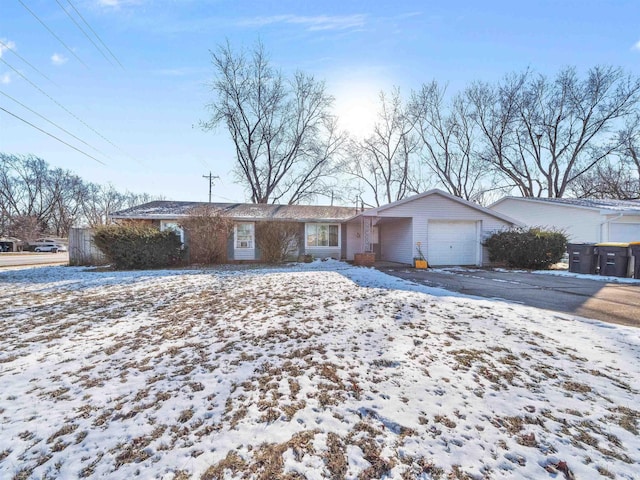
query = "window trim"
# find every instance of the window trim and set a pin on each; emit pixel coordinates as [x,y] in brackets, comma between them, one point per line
[253,236]
[318,224]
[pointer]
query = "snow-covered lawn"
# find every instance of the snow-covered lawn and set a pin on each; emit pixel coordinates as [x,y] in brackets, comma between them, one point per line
[313,371]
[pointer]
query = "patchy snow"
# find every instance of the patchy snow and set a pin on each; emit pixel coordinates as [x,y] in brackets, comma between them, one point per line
[596,278]
[557,273]
[312,371]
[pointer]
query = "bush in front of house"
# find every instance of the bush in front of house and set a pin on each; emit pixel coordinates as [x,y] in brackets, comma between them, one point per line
[137,246]
[277,241]
[532,248]
[207,233]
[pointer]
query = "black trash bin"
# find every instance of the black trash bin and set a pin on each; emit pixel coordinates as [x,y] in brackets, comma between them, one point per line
[613,259]
[582,258]
[634,247]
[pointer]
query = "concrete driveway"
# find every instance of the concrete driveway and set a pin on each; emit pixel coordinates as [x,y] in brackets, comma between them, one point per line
[610,302]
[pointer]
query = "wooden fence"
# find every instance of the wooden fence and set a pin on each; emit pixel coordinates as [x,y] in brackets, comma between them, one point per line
[82,250]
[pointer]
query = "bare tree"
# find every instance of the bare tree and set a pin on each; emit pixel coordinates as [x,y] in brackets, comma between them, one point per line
[35,199]
[284,136]
[23,187]
[100,201]
[67,194]
[448,138]
[618,176]
[541,135]
[385,161]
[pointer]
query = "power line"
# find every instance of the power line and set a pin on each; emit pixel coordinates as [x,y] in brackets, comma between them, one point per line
[84,33]
[52,33]
[96,35]
[25,61]
[51,122]
[66,109]
[52,136]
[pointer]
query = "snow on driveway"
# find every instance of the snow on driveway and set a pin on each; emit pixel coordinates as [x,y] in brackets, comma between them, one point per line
[313,371]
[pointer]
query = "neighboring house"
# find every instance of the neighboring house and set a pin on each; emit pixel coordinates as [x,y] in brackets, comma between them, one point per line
[321,228]
[10,244]
[450,230]
[583,220]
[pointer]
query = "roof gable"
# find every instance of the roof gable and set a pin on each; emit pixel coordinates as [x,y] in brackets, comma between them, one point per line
[435,191]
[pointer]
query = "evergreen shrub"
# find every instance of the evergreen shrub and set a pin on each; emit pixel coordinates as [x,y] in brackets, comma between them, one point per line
[138,246]
[532,248]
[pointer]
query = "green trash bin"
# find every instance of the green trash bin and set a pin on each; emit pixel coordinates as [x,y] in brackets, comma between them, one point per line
[582,258]
[613,259]
[634,248]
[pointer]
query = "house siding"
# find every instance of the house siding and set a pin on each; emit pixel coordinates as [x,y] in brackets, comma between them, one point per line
[395,240]
[353,239]
[324,252]
[579,224]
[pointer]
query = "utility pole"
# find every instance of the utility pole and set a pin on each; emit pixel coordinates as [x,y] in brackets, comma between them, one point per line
[211,178]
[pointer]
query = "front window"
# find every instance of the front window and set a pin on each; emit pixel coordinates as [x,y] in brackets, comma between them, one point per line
[172,226]
[323,235]
[244,235]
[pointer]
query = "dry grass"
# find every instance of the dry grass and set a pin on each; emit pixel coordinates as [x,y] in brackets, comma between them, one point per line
[181,371]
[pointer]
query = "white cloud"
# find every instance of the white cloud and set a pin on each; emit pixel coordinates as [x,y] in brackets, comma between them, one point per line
[117,3]
[6,45]
[58,59]
[636,46]
[5,79]
[315,23]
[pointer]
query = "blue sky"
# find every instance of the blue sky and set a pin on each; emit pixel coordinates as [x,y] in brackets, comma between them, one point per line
[141,121]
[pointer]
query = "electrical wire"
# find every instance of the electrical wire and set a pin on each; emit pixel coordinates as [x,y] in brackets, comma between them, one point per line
[96,35]
[51,135]
[66,109]
[84,33]
[51,122]
[53,33]
[25,61]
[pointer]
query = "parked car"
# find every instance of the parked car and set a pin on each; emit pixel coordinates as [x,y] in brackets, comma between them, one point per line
[46,243]
[50,247]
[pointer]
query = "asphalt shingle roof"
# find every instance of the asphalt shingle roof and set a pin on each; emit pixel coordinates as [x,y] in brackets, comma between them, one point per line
[600,204]
[162,209]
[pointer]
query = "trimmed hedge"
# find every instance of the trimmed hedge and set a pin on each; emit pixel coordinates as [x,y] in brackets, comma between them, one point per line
[138,246]
[532,249]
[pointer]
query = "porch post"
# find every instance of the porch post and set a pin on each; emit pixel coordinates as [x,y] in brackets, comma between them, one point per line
[367,234]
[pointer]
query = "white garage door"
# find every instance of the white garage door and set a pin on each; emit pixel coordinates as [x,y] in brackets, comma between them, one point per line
[624,232]
[452,243]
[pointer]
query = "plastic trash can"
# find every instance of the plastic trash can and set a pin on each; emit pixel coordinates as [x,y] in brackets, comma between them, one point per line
[582,258]
[634,248]
[613,259]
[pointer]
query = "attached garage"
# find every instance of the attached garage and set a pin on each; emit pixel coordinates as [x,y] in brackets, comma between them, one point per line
[453,242]
[450,230]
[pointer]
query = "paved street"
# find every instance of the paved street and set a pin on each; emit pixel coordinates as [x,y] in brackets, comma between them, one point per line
[32,258]
[610,302]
